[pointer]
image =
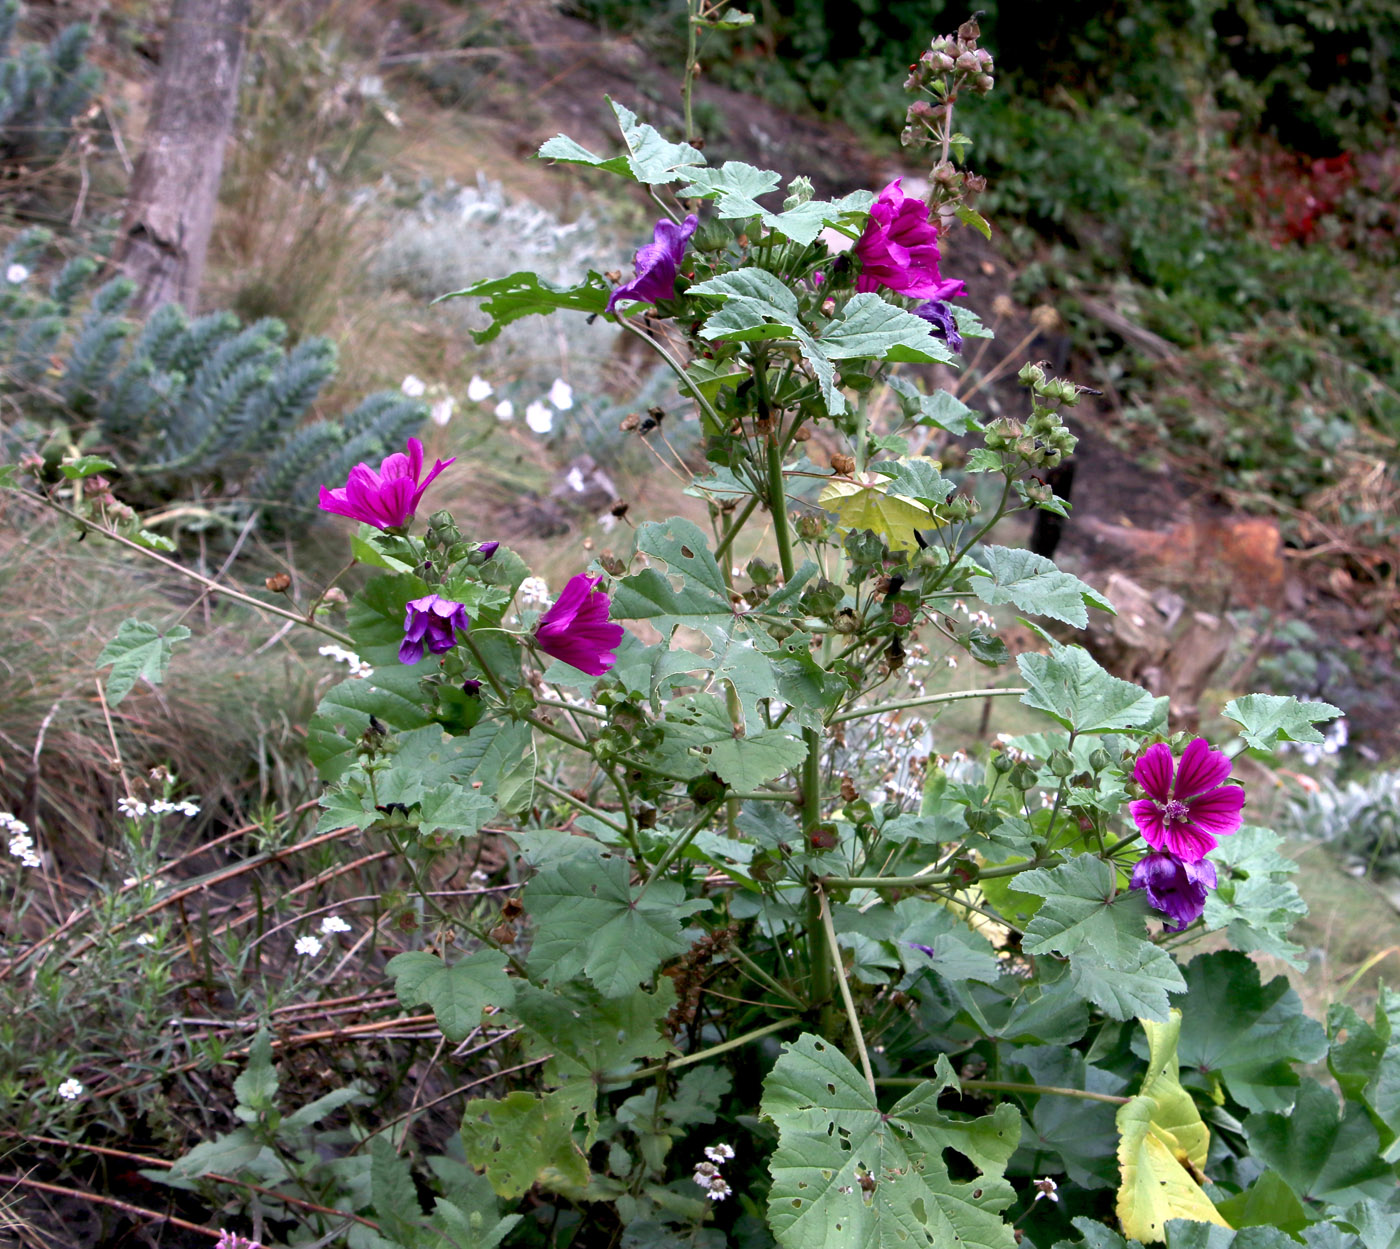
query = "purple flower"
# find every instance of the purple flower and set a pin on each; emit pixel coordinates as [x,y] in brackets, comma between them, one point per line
[941,322]
[486,550]
[434,621]
[577,630]
[657,263]
[472,689]
[899,249]
[1174,887]
[1185,813]
[231,1240]
[386,499]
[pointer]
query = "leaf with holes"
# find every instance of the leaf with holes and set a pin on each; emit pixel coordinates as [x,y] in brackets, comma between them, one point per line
[526,294]
[848,1176]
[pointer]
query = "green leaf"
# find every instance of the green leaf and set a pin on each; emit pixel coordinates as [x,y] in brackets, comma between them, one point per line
[1184,1235]
[971,217]
[1069,1134]
[958,952]
[1268,1202]
[804,222]
[692,592]
[1070,686]
[1255,901]
[917,479]
[328,1103]
[1323,1154]
[226,1155]
[734,186]
[589,919]
[650,158]
[524,1140]
[257,1085]
[138,651]
[85,466]
[1366,1065]
[868,328]
[1033,583]
[699,725]
[395,1197]
[1242,1032]
[847,1174]
[1267,719]
[457,993]
[1100,929]
[452,814]
[1096,1236]
[727,19]
[526,294]
[941,408]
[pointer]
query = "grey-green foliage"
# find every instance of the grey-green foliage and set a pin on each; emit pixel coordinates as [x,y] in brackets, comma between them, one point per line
[41,88]
[180,399]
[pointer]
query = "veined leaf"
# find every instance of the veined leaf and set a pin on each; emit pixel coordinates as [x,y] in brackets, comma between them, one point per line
[457,992]
[1267,719]
[1033,583]
[139,650]
[526,294]
[1070,686]
[869,504]
[523,1140]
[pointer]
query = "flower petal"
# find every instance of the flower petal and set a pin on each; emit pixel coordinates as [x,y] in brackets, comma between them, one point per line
[1154,772]
[1188,843]
[1201,768]
[1218,812]
[1148,818]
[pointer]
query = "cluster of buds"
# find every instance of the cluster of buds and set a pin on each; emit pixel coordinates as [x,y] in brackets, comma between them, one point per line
[1043,441]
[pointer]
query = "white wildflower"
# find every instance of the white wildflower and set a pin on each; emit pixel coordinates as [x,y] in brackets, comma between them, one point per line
[505,410]
[132,808]
[22,847]
[358,667]
[719,1189]
[534,592]
[333,924]
[574,480]
[70,1090]
[310,946]
[1046,1187]
[704,1173]
[952,661]
[413,387]
[16,274]
[12,823]
[719,1153]
[561,394]
[146,938]
[441,412]
[479,389]
[539,417]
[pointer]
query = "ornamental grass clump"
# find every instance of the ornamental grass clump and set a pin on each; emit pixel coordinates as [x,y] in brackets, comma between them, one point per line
[761,896]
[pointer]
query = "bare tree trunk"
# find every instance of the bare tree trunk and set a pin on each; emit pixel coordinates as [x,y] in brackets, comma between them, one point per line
[175,187]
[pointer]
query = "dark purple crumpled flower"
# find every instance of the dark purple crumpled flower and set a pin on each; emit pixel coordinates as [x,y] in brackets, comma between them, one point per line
[1175,887]
[431,621]
[577,630]
[941,321]
[386,499]
[899,249]
[657,264]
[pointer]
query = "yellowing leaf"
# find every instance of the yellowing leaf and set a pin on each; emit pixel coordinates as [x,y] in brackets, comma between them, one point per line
[862,503]
[1162,1146]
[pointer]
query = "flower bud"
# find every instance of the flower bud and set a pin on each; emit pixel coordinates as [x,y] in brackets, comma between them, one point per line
[810,527]
[1031,375]
[1003,763]
[1022,776]
[848,621]
[1061,763]
[800,190]
[1100,759]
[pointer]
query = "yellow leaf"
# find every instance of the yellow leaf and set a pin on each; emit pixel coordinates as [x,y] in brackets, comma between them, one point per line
[1162,1146]
[862,503]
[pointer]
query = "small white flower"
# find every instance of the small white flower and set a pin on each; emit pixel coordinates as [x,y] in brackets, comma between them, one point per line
[1046,1187]
[574,480]
[479,389]
[12,823]
[561,394]
[187,808]
[161,775]
[308,945]
[358,667]
[132,808]
[413,387]
[146,938]
[129,881]
[952,661]
[607,522]
[505,410]
[16,274]
[22,847]
[539,417]
[719,1153]
[534,592]
[718,1189]
[441,412]
[704,1173]
[479,877]
[70,1090]
[333,924]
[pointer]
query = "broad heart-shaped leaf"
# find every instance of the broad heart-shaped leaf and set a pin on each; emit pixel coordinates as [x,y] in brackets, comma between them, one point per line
[700,600]
[1255,901]
[1072,688]
[526,294]
[523,1140]
[1069,1134]
[1322,1154]
[1157,1186]
[1242,1032]
[1267,719]
[651,159]
[588,919]
[872,504]
[803,222]
[1096,1236]
[1101,929]
[868,328]
[1034,584]
[1366,1065]
[1268,1202]
[734,187]
[834,1144]
[1185,1235]
[917,479]
[139,650]
[699,725]
[450,813]
[457,992]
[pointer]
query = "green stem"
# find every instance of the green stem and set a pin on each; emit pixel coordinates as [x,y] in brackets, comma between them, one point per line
[571,707]
[777,505]
[677,845]
[687,386]
[844,985]
[763,977]
[906,703]
[733,531]
[1007,1086]
[701,1055]
[917,882]
[688,82]
[582,806]
[486,668]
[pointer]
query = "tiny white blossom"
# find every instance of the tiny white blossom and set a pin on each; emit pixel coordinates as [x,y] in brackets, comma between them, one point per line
[534,592]
[22,847]
[358,667]
[16,274]
[479,877]
[952,661]
[70,1090]
[12,823]
[1046,1187]
[505,410]
[719,1153]
[413,387]
[479,389]
[146,938]
[308,946]
[539,417]
[441,412]
[333,924]
[574,480]
[129,881]
[132,808]
[718,1189]
[704,1173]
[561,394]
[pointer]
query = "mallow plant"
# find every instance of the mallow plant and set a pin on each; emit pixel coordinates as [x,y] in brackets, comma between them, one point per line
[789,961]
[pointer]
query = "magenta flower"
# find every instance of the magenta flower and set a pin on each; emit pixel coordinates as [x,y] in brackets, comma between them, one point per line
[431,621]
[941,322]
[1176,888]
[1185,813]
[386,499]
[231,1240]
[657,264]
[899,249]
[577,630]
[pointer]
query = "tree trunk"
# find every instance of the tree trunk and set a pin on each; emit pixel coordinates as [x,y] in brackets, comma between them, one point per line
[175,187]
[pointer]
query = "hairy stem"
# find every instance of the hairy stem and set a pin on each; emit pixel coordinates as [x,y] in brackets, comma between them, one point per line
[906,703]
